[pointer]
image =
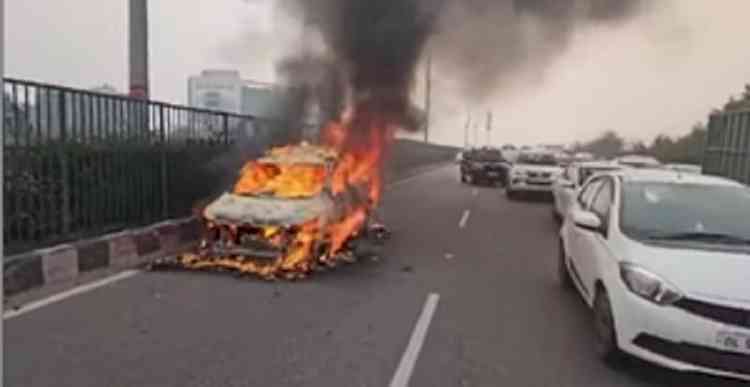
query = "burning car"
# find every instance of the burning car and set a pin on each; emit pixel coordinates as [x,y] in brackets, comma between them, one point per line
[296,209]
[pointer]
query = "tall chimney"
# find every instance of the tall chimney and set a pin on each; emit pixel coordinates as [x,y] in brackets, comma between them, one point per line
[138,22]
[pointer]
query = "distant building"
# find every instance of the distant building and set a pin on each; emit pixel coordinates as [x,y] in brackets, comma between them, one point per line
[216,90]
[263,100]
[225,90]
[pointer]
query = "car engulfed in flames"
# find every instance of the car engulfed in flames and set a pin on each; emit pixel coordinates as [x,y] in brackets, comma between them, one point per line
[298,209]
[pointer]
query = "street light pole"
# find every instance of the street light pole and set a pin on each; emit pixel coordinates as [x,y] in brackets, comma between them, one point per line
[466,131]
[489,127]
[476,133]
[427,96]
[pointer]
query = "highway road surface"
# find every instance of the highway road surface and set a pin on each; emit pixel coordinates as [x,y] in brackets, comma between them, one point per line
[465,294]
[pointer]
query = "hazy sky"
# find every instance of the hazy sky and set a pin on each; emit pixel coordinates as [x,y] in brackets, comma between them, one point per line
[657,74]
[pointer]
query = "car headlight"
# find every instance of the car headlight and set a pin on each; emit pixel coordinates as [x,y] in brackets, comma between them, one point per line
[648,285]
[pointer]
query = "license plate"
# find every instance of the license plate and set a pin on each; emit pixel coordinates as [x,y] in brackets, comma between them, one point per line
[493,174]
[734,342]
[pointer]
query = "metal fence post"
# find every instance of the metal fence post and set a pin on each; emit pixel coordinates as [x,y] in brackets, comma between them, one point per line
[164,176]
[225,126]
[63,155]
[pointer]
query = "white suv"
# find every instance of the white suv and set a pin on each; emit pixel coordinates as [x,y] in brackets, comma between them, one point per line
[663,259]
[533,171]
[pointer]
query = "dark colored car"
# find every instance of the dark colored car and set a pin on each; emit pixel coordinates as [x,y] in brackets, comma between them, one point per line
[484,166]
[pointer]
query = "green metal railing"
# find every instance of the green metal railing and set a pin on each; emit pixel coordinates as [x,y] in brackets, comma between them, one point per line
[728,145]
[79,163]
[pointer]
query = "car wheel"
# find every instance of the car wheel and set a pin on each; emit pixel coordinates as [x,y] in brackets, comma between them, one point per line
[463,178]
[562,269]
[512,195]
[604,328]
[470,179]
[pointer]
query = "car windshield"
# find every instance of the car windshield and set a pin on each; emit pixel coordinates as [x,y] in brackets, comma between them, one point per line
[677,211]
[487,155]
[537,159]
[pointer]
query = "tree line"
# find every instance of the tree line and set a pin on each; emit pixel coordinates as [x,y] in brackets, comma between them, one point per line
[682,149]
[687,148]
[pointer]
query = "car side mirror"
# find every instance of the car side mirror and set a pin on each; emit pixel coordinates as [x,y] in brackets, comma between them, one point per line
[587,220]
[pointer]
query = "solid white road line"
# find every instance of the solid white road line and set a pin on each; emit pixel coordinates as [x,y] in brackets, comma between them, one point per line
[69,293]
[464,219]
[409,358]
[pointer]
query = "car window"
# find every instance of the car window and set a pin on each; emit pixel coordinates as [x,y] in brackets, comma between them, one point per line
[657,209]
[489,155]
[537,159]
[584,198]
[602,202]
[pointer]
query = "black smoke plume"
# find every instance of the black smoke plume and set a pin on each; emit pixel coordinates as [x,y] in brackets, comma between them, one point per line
[482,46]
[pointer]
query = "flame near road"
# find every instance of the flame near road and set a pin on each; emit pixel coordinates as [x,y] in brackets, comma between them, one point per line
[355,183]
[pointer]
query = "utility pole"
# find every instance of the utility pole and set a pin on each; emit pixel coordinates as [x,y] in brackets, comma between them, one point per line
[466,131]
[476,133]
[489,126]
[138,45]
[427,96]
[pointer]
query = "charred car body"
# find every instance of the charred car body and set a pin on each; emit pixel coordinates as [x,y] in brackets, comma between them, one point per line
[294,210]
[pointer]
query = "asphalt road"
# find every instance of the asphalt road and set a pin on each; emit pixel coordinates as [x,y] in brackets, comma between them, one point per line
[500,318]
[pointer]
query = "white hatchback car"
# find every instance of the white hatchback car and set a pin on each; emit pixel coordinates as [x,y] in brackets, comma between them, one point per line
[663,259]
[573,177]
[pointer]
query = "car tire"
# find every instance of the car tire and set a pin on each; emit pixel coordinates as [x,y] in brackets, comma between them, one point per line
[510,194]
[562,269]
[470,179]
[604,328]
[463,178]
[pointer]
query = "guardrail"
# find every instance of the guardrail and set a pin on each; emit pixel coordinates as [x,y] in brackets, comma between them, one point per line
[79,163]
[727,150]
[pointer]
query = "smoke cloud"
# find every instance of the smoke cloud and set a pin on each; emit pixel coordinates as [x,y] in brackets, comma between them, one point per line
[481,46]
[491,45]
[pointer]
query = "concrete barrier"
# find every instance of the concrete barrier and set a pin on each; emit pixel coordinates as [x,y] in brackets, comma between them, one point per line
[125,249]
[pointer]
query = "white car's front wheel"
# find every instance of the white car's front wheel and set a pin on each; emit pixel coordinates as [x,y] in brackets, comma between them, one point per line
[604,327]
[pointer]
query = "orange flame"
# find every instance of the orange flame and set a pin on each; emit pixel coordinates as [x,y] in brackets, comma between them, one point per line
[283,181]
[357,168]
[344,230]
